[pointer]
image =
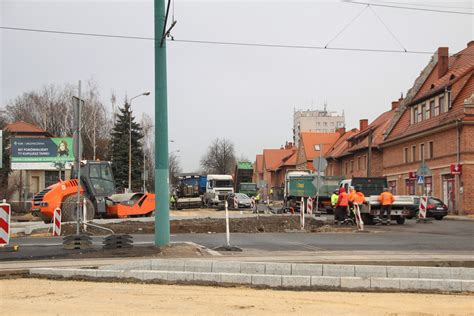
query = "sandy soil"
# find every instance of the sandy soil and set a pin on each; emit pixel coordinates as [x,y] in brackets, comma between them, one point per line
[35,296]
[275,223]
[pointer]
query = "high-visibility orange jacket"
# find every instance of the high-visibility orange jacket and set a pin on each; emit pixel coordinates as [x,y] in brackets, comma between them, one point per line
[352,194]
[359,198]
[343,199]
[386,198]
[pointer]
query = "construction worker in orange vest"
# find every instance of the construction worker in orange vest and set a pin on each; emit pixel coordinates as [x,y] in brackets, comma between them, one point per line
[386,200]
[341,206]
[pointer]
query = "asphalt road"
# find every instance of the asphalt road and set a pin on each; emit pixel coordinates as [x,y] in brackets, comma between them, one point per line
[437,237]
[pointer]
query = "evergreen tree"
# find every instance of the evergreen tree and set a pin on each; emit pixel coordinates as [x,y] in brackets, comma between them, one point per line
[120,149]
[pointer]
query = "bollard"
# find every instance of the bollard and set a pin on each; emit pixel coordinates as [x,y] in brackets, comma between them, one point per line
[227,230]
[302,214]
[57,222]
[5,215]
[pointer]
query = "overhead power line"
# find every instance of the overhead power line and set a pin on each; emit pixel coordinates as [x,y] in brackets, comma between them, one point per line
[407,8]
[222,43]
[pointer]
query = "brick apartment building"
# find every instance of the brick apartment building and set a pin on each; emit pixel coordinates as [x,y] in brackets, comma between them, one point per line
[435,124]
[360,155]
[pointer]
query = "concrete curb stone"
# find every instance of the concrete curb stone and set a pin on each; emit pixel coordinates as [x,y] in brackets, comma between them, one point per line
[268,280]
[355,283]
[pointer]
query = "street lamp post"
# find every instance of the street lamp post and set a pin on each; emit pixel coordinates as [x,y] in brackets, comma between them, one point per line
[130,140]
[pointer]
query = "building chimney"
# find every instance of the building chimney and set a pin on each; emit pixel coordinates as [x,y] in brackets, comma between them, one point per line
[470,43]
[363,124]
[395,105]
[289,145]
[341,130]
[443,61]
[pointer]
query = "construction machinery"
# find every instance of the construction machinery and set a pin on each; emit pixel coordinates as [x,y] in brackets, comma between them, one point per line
[188,191]
[98,196]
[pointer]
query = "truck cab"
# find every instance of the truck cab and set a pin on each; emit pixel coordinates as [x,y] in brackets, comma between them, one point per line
[218,186]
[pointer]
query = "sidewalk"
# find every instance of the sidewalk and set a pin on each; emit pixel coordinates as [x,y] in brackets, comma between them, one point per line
[459,217]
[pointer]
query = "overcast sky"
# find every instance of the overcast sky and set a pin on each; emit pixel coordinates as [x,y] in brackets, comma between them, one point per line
[245,94]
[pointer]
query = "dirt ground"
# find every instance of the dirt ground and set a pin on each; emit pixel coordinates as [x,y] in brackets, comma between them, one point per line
[275,223]
[40,297]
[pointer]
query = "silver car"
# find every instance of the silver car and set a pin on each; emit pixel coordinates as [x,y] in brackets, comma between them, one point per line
[243,200]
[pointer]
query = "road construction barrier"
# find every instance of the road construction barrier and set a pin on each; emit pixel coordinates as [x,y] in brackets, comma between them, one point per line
[5,215]
[57,222]
[358,217]
[252,203]
[309,206]
[302,214]
[423,205]
[236,202]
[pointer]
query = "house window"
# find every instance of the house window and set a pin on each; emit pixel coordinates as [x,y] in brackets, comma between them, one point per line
[427,111]
[422,152]
[413,153]
[442,104]
[423,112]
[352,165]
[432,108]
[52,177]
[410,187]
[415,115]
[325,123]
[358,163]
[429,185]
[420,114]
[364,162]
[405,154]
[430,150]
[449,100]
[392,185]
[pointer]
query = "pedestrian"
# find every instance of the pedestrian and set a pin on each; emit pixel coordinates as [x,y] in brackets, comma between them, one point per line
[351,195]
[334,198]
[257,198]
[173,201]
[341,206]
[386,200]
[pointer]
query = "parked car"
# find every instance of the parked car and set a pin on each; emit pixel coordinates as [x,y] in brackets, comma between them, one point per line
[242,199]
[435,208]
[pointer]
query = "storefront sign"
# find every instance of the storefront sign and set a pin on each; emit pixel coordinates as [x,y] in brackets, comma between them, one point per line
[456,169]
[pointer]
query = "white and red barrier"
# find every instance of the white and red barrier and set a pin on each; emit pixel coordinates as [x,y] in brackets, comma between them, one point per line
[5,215]
[236,202]
[252,202]
[309,206]
[302,213]
[423,205]
[57,222]
[358,217]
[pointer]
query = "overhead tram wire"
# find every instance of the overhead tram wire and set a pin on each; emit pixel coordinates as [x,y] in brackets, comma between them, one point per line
[388,29]
[418,4]
[347,25]
[406,8]
[222,43]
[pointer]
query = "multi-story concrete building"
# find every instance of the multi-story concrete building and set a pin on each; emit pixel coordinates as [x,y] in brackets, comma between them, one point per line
[316,121]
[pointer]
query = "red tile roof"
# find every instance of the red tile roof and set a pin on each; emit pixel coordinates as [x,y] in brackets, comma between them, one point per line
[378,127]
[273,157]
[459,77]
[340,147]
[23,127]
[310,140]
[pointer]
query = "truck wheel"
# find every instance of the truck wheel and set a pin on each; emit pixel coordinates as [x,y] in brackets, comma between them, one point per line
[68,207]
[400,220]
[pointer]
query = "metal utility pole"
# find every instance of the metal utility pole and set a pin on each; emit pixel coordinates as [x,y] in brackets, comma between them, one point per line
[78,159]
[130,139]
[162,216]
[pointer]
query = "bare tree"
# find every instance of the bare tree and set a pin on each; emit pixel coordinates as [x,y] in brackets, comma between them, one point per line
[174,168]
[220,157]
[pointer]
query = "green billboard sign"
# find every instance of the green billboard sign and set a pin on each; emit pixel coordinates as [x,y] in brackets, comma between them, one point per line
[42,149]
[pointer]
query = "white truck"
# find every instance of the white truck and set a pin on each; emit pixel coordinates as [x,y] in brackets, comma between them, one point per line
[218,186]
[402,207]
